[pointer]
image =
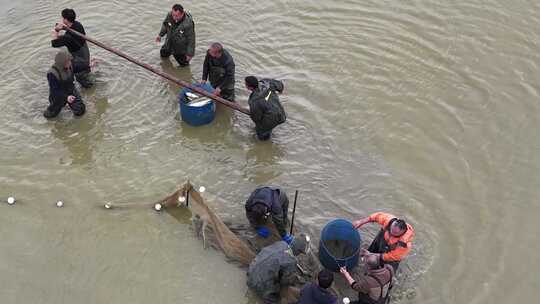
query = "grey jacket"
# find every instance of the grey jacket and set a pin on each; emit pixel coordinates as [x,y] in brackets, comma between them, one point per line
[273,267]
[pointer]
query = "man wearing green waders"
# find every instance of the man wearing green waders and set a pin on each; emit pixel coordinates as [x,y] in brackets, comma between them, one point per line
[180,30]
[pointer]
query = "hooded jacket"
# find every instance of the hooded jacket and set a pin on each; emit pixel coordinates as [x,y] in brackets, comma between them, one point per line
[312,293]
[264,107]
[273,267]
[180,35]
[277,204]
[374,287]
[61,80]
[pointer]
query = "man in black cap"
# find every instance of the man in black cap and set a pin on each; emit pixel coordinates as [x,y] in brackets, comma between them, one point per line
[77,47]
[180,30]
[264,107]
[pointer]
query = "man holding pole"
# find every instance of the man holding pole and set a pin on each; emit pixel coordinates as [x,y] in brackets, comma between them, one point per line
[180,30]
[219,69]
[76,46]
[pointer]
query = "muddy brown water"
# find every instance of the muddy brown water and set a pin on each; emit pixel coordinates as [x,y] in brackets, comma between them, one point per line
[427,109]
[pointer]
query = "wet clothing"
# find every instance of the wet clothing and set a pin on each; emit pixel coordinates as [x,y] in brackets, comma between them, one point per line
[394,249]
[78,48]
[220,73]
[265,109]
[277,204]
[61,85]
[312,293]
[180,41]
[374,287]
[274,267]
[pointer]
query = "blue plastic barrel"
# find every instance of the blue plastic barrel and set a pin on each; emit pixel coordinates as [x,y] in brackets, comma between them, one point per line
[200,115]
[339,245]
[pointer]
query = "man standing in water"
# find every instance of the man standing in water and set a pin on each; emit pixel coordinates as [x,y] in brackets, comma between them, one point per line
[394,240]
[264,107]
[180,30]
[75,45]
[374,287]
[62,90]
[219,69]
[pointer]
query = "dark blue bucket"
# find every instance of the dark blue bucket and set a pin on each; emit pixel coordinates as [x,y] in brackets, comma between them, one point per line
[197,115]
[339,245]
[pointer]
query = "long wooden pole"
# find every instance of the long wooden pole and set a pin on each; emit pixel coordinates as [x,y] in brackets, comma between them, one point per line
[294,211]
[160,73]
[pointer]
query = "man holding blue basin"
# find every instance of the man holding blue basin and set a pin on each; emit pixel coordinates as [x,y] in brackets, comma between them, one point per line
[393,242]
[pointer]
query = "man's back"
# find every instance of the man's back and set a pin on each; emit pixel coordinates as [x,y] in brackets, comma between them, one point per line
[272,264]
[312,293]
[370,285]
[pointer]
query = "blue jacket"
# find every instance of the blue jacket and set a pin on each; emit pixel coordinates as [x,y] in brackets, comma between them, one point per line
[311,293]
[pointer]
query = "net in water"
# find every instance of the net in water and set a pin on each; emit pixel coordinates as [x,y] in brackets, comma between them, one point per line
[234,248]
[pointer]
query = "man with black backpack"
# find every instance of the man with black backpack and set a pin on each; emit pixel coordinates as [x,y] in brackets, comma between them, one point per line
[265,109]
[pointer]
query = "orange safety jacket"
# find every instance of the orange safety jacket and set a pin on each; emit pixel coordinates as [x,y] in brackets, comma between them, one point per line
[396,247]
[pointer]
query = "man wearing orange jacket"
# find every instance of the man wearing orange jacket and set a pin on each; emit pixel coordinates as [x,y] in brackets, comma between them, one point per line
[394,240]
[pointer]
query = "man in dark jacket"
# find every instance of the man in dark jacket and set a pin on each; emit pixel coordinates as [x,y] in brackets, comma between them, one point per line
[264,107]
[266,202]
[374,287]
[62,90]
[219,69]
[180,30]
[275,267]
[318,293]
[76,46]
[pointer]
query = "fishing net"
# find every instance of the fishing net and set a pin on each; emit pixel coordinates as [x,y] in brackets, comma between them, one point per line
[238,241]
[233,248]
[340,249]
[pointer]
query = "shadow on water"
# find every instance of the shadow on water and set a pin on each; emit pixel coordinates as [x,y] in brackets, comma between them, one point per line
[81,135]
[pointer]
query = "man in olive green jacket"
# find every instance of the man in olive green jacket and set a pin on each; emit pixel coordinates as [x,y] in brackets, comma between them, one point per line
[180,30]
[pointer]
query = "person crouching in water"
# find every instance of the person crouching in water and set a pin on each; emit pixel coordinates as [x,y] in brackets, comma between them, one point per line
[62,88]
[275,268]
[267,203]
[264,107]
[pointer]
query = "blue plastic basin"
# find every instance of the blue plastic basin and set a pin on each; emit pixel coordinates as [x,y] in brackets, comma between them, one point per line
[348,239]
[197,116]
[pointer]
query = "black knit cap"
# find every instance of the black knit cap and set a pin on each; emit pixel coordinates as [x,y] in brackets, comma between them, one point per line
[252,81]
[325,278]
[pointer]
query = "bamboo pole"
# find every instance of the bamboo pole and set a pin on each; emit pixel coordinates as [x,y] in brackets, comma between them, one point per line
[160,73]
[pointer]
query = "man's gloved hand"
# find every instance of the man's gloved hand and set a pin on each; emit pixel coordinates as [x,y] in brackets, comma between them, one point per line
[287,238]
[263,231]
